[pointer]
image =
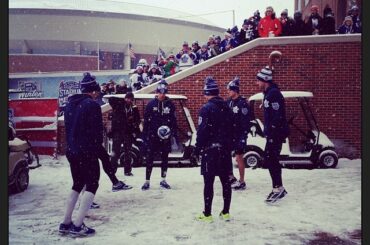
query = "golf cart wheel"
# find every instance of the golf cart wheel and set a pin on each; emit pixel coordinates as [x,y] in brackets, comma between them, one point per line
[328,160]
[252,159]
[132,159]
[21,179]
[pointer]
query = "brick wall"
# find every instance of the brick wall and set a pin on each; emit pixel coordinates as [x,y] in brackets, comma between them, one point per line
[51,63]
[331,71]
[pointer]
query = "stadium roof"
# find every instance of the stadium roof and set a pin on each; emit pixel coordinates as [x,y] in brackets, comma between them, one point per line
[108,7]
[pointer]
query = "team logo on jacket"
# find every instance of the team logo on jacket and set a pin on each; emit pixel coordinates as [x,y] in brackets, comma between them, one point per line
[235,109]
[166,110]
[275,106]
[266,103]
[185,58]
[245,111]
[199,120]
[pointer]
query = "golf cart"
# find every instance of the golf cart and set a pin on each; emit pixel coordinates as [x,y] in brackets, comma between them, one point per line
[21,160]
[315,151]
[182,153]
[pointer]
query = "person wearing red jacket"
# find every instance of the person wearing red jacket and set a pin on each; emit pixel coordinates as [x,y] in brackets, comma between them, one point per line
[269,26]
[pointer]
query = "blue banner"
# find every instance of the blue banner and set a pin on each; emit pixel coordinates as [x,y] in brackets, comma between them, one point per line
[53,87]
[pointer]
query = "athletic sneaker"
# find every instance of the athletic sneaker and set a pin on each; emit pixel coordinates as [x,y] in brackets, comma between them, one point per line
[129,174]
[203,218]
[232,180]
[225,217]
[121,186]
[145,186]
[94,205]
[81,231]
[64,229]
[164,184]
[275,196]
[239,185]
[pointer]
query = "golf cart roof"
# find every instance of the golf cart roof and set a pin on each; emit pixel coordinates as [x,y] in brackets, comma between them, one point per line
[286,94]
[146,96]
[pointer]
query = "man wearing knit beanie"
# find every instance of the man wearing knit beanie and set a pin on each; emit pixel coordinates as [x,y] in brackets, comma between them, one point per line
[213,144]
[240,128]
[160,125]
[84,133]
[275,129]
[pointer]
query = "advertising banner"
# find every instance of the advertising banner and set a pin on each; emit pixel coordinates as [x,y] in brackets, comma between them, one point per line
[58,87]
[66,88]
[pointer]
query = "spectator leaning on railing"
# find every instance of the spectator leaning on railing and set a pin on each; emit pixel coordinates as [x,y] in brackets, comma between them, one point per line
[347,27]
[185,57]
[269,26]
[168,65]
[299,27]
[137,80]
[204,53]
[286,23]
[313,23]
[328,22]
[228,42]
[247,32]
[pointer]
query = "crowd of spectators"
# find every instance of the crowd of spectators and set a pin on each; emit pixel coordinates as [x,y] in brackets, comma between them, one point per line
[253,27]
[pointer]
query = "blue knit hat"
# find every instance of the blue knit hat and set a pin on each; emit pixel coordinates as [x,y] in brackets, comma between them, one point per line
[234,85]
[162,87]
[265,75]
[211,87]
[89,84]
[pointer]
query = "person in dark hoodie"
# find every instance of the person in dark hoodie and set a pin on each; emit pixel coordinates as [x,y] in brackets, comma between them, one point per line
[286,23]
[125,124]
[356,18]
[160,125]
[240,128]
[328,22]
[276,130]
[84,133]
[213,145]
[247,32]
[299,27]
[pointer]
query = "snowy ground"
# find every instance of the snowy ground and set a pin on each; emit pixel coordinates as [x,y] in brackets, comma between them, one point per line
[320,200]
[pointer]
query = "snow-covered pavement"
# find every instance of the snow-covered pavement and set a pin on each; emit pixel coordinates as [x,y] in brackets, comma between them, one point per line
[319,200]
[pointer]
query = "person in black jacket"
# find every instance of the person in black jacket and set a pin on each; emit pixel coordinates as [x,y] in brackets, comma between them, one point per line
[84,133]
[328,22]
[247,32]
[240,128]
[287,23]
[160,125]
[313,24]
[213,144]
[299,27]
[356,18]
[125,129]
[276,130]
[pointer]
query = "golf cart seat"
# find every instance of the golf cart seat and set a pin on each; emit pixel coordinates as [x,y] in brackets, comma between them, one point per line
[17,145]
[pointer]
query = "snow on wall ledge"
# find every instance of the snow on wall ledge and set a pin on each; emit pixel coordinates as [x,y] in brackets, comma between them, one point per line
[328,66]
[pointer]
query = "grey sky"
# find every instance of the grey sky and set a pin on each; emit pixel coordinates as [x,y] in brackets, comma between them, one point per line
[243,8]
